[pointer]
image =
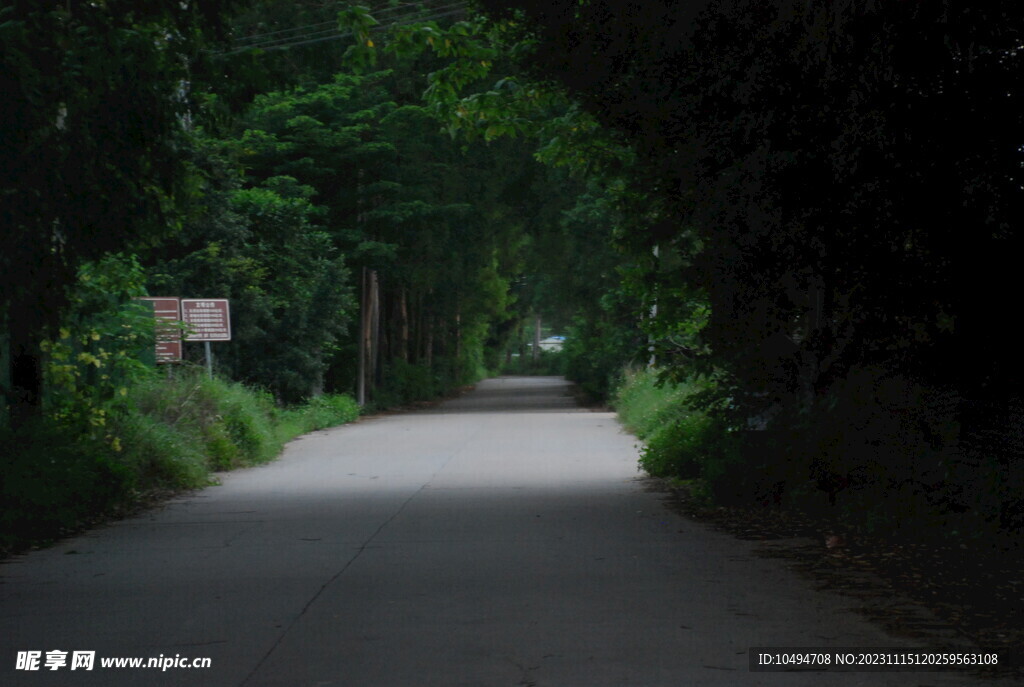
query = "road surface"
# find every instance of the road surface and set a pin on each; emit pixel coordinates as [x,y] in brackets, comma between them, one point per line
[502,539]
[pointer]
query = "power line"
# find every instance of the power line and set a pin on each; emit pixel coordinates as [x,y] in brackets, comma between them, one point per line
[333,32]
[263,36]
[334,22]
[313,34]
[380,28]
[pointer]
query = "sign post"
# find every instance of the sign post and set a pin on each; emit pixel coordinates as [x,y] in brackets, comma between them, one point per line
[208,319]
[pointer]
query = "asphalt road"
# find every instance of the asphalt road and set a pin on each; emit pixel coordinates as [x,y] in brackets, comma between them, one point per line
[503,539]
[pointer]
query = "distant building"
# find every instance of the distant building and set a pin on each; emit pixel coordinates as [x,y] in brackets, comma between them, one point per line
[552,343]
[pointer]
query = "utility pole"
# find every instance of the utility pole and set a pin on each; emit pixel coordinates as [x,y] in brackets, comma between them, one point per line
[536,338]
[654,315]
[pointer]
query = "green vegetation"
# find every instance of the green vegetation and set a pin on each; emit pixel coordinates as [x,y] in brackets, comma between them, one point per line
[789,224]
[691,432]
[682,440]
[364,252]
[764,195]
[169,434]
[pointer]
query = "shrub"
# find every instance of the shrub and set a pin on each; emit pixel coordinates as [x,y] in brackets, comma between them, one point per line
[406,382]
[54,481]
[169,435]
[329,410]
[682,441]
[158,455]
[675,449]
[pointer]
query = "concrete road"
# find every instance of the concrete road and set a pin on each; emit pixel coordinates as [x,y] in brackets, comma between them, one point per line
[503,539]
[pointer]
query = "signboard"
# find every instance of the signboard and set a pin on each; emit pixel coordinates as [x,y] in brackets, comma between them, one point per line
[168,334]
[208,319]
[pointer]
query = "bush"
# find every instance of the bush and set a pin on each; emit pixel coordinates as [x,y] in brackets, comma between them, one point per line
[644,405]
[406,382]
[53,481]
[233,424]
[329,410]
[159,455]
[169,436]
[681,440]
[675,449]
[879,451]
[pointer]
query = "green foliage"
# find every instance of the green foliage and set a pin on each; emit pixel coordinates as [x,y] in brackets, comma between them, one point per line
[681,439]
[598,344]
[88,150]
[158,455]
[586,291]
[881,450]
[643,405]
[232,423]
[53,480]
[261,247]
[433,225]
[95,356]
[408,383]
[173,433]
[803,226]
[328,410]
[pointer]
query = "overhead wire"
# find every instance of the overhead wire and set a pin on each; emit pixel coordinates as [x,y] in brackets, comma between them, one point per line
[259,37]
[263,36]
[313,34]
[375,29]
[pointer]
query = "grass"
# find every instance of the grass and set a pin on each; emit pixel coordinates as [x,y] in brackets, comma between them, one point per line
[169,435]
[643,406]
[681,442]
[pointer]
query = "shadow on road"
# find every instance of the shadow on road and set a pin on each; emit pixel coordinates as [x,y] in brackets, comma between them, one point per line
[514,394]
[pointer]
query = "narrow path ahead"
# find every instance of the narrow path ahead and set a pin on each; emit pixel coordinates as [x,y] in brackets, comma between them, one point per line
[502,539]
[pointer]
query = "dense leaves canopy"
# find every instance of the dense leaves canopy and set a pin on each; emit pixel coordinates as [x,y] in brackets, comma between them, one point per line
[848,172]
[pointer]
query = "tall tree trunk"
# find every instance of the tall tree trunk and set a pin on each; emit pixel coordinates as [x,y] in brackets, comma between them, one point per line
[25,369]
[428,347]
[428,335]
[374,331]
[364,329]
[403,326]
[458,338]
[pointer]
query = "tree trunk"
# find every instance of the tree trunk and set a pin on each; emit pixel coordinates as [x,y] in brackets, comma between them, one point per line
[403,326]
[458,338]
[25,370]
[428,347]
[374,331]
[364,328]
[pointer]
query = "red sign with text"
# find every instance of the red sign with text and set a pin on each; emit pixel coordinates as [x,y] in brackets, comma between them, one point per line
[207,319]
[168,334]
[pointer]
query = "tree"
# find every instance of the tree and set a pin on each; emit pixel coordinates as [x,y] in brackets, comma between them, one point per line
[96,94]
[262,248]
[841,181]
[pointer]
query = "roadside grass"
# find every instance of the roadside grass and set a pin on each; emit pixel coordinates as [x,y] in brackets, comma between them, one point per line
[169,435]
[681,442]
